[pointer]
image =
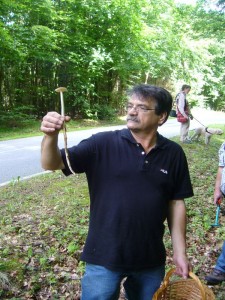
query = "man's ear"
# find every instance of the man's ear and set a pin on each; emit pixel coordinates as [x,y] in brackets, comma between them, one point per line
[162,118]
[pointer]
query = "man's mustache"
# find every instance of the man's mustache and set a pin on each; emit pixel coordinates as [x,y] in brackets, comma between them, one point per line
[133,119]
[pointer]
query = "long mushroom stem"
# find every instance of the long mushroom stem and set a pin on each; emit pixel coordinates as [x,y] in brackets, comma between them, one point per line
[62,104]
[61,90]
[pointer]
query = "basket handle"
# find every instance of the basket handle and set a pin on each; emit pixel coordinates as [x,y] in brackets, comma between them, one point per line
[192,275]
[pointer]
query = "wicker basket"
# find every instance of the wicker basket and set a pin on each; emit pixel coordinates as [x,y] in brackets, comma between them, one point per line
[183,289]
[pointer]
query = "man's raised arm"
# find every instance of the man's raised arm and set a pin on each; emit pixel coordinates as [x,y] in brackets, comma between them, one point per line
[51,158]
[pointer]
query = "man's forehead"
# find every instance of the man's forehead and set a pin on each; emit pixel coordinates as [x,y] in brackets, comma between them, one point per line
[140,98]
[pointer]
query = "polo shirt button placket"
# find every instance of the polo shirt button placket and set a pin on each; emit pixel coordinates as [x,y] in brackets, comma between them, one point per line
[143,153]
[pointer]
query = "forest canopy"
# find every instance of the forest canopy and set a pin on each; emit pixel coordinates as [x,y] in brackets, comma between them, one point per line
[99,48]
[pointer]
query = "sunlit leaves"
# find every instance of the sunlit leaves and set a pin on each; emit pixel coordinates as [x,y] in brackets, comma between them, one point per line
[98,48]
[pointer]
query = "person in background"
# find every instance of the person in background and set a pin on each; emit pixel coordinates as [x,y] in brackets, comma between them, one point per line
[137,179]
[218,273]
[184,109]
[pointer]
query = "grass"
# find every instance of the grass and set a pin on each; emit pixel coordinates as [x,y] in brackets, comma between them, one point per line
[44,223]
[43,227]
[32,128]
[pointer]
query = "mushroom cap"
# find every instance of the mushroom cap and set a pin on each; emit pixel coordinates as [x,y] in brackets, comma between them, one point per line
[61,89]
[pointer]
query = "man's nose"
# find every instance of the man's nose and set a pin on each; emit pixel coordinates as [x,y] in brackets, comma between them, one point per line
[133,111]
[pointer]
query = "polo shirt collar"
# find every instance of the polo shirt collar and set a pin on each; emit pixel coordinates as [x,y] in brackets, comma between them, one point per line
[160,143]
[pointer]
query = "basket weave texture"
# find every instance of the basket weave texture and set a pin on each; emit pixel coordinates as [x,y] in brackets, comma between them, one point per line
[183,289]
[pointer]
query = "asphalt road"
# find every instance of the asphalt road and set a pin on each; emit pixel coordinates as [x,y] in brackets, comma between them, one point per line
[20,158]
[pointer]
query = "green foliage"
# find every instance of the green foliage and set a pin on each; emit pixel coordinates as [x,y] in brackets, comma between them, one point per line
[18,116]
[103,112]
[221,4]
[99,48]
[213,89]
[72,248]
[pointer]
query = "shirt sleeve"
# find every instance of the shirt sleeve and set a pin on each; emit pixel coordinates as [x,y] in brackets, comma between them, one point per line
[80,156]
[222,155]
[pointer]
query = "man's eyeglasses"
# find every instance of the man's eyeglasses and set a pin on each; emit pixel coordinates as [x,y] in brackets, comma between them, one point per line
[138,108]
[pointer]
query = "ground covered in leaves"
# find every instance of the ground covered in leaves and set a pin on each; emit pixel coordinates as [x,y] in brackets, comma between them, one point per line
[44,221]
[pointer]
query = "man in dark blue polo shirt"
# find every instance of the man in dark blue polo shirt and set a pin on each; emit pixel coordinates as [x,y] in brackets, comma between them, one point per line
[137,179]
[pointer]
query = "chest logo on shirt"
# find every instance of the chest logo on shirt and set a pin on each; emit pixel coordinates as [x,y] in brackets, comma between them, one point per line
[163,171]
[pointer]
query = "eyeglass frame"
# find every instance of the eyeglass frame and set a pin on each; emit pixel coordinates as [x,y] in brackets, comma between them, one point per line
[138,108]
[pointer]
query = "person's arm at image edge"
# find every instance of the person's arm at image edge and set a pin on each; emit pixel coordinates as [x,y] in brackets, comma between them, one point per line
[177,224]
[217,191]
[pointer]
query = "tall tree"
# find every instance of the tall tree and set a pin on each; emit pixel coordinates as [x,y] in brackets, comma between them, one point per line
[97,48]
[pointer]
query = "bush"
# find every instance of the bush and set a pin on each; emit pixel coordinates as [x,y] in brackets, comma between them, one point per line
[104,112]
[18,116]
